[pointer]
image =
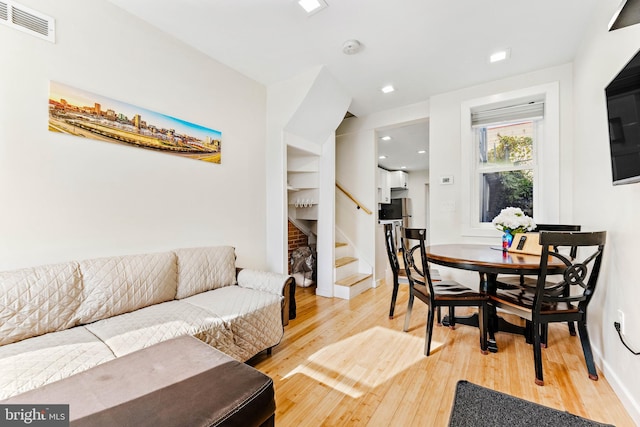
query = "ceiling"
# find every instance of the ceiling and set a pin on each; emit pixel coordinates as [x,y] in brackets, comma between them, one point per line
[421,47]
[402,150]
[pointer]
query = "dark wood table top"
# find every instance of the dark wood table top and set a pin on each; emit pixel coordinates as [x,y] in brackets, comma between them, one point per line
[488,259]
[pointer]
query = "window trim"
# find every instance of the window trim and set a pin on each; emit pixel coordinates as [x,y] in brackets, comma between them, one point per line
[546,207]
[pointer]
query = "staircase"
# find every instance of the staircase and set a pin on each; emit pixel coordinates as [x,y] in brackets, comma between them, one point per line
[351,277]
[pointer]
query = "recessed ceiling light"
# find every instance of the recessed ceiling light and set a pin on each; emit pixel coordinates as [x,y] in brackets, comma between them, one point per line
[403,167]
[387,89]
[422,151]
[382,157]
[499,56]
[386,138]
[312,6]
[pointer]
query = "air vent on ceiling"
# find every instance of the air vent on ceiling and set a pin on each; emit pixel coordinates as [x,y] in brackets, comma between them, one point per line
[30,21]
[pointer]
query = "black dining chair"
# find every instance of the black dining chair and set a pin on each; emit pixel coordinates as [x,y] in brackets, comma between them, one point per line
[543,307]
[552,285]
[392,254]
[507,282]
[397,270]
[444,293]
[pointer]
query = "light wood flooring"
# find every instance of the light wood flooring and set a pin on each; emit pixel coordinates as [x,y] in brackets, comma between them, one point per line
[345,363]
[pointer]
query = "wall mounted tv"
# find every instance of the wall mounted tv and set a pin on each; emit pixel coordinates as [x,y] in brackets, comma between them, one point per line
[623,107]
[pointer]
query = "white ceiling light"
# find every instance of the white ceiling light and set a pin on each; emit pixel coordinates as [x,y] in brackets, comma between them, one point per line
[422,151]
[500,55]
[312,6]
[388,89]
[382,157]
[386,138]
[403,167]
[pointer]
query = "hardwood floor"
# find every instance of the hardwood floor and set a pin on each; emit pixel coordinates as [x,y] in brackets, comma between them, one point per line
[345,363]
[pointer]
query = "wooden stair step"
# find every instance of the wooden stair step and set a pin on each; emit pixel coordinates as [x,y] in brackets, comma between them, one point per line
[340,244]
[353,280]
[345,260]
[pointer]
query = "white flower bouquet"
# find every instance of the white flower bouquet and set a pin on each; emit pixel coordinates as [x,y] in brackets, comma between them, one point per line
[512,220]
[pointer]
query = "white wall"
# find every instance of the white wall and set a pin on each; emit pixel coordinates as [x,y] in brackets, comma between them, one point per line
[303,112]
[315,121]
[600,205]
[64,197]
[282,100]
[417,182]
[448,201]
[356,170]
[586,194]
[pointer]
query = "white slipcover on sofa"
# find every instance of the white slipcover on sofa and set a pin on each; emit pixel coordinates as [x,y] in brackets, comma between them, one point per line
[61,319]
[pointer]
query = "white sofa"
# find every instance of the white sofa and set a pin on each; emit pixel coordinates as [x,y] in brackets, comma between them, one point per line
[61,319]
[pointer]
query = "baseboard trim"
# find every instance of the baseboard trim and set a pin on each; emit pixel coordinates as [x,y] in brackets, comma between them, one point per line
[630,404]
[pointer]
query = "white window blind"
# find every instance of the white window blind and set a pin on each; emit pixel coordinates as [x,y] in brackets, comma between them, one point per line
[512,113]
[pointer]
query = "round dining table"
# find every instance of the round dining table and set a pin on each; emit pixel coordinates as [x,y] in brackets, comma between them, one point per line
[489,261]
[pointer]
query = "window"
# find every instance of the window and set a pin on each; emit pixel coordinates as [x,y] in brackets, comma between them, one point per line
[509,147]
[505,167]
[505,139]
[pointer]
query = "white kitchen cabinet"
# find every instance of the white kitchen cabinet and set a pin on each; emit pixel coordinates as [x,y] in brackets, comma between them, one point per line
[398,179]
[384,189]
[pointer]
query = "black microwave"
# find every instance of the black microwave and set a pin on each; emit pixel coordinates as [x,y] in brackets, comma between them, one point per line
[394,210]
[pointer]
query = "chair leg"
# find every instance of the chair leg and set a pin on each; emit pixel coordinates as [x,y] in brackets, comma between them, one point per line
[439,315]
[407,317]
[572,328]
[537,352]
[427,344]
[394,296]
[483,324]
[452,317]
[586,349]
[528,332]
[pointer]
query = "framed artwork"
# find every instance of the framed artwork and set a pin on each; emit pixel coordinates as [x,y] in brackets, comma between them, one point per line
[77,112]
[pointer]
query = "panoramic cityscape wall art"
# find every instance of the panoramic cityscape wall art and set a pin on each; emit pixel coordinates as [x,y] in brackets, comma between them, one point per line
[77,112]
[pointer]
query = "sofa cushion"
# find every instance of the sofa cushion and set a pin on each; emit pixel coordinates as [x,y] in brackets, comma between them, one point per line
[150,325]
[36,361]
[117,285]
[35,301]
[255,317]
[267,281]
[204,269]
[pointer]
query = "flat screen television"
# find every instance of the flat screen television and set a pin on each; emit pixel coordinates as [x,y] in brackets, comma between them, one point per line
[623,108]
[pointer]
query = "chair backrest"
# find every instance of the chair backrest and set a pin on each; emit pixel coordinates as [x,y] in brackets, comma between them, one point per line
[560,227]
[557,227]
[414,254]
[392,251]
[579,272]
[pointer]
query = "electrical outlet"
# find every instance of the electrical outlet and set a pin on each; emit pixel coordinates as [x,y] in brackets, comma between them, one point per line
[621,320]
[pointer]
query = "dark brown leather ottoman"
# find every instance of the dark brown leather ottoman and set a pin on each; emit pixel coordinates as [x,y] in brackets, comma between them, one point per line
[180,382]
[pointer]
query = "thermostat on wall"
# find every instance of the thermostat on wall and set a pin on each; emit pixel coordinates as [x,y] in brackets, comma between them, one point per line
[448,179]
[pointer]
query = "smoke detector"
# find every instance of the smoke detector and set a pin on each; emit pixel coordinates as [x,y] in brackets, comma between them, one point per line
[351,47]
